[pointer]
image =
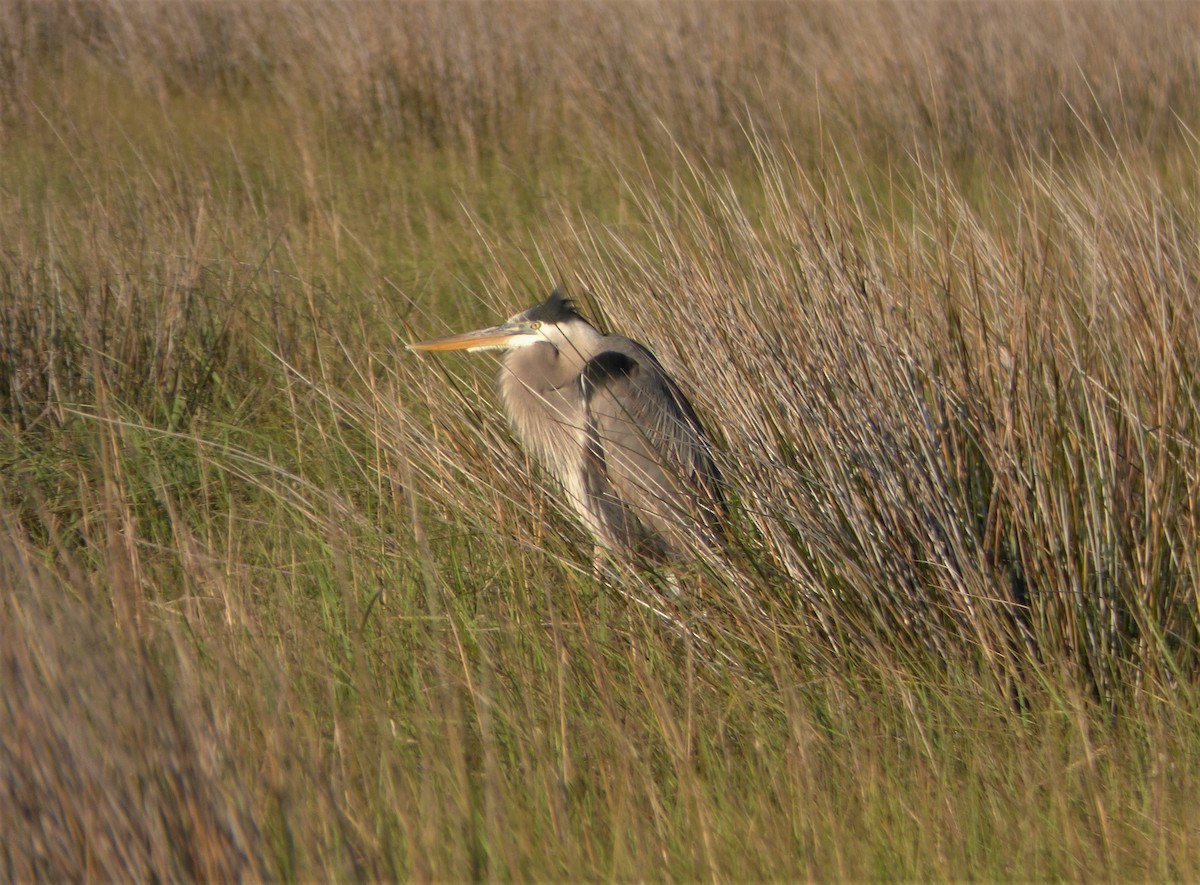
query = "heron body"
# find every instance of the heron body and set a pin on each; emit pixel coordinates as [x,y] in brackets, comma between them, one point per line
[604,417]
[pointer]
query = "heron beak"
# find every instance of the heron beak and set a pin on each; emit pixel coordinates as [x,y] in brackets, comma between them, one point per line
[495,338]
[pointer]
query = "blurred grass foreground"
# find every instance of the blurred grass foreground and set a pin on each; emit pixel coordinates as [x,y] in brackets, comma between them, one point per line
[282,600]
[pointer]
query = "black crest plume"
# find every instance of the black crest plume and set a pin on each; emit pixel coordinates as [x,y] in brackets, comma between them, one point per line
[555,309]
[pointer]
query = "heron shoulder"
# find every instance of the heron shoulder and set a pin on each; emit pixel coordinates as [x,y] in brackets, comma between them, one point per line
[621,366]
[606,367]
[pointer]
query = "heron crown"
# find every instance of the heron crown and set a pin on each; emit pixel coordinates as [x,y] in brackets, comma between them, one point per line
[555,309]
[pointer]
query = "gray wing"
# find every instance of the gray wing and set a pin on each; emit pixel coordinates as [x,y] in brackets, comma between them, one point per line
[647,449]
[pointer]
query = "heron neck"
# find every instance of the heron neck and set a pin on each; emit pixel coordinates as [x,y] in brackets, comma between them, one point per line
[558,361]
[539,393]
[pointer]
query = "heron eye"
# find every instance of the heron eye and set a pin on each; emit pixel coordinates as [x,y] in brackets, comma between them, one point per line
[535,325]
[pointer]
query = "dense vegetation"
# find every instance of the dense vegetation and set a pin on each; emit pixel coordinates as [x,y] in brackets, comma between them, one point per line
[281,599]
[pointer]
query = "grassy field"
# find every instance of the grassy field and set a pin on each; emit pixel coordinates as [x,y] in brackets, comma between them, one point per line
[280,599]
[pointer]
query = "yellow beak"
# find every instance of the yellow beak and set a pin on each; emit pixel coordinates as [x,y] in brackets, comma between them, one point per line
[494,338]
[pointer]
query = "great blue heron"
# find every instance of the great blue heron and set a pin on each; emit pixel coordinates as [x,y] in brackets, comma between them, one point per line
[605,418]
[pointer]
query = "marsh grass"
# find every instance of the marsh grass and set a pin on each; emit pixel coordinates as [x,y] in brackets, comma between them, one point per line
[282,599]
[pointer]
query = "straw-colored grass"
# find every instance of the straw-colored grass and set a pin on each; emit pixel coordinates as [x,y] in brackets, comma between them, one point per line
[282,600]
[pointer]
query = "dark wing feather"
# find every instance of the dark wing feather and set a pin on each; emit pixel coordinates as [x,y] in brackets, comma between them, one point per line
[648,453]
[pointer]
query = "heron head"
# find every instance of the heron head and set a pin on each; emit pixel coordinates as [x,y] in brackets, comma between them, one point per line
[549,322]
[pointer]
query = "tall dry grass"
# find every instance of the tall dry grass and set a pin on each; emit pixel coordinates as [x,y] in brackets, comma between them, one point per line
[968,434]
[281,599]
[971,80]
